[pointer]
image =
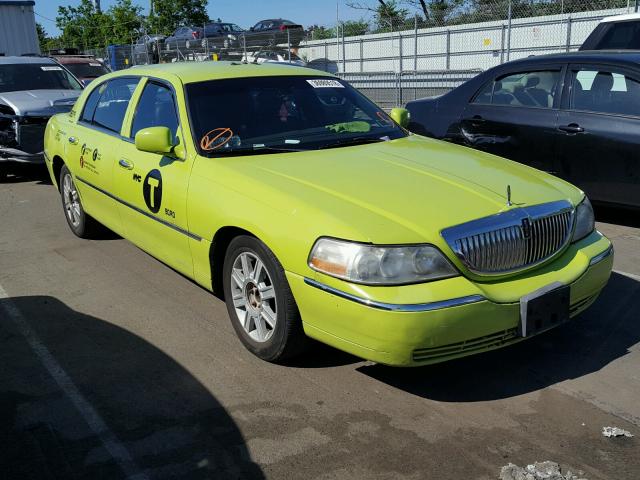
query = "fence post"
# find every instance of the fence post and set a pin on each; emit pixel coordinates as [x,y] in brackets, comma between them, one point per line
[448,49]
[326,56]
[502,43]
[400,65]
[509,34]
[569,33]
[289,43]
[344,52]
[415,43]
[361,55]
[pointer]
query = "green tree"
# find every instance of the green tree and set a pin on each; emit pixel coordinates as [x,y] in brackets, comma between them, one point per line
[43,38]
[352,28]
[390,16]
[319,32]
[170,14]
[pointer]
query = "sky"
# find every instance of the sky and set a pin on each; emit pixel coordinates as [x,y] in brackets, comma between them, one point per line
[243,12]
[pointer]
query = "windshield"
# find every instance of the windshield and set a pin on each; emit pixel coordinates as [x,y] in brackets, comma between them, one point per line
[288,113]
[87,70]
[34,76]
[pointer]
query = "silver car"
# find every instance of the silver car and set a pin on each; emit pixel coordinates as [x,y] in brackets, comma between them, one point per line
[32,89]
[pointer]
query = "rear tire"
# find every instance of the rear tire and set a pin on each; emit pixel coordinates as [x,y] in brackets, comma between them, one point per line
[3,174]
[81,224]
[261,306]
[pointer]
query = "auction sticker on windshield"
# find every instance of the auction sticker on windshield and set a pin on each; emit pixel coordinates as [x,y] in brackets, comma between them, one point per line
[317,83]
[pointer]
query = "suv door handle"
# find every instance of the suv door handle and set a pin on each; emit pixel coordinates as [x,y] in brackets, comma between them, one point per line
[571,128]
[124,163]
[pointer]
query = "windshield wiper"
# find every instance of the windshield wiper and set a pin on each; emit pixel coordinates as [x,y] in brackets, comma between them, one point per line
[252,151]
[354,141]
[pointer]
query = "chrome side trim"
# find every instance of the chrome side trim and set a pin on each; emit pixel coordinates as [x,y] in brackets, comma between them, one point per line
[140,211]
[394,307]
[601,256]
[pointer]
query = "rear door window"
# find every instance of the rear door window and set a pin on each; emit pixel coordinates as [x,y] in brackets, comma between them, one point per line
[605,91]
[523,89]
[113,103]
[91,104]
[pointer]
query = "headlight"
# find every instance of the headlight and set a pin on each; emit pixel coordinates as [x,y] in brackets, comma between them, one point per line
[585,221]
[379,265]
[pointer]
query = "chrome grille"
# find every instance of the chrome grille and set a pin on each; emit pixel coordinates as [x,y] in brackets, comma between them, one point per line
[512,240]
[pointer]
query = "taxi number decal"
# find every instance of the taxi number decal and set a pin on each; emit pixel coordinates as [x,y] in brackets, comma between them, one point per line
[152,190]
[325,83]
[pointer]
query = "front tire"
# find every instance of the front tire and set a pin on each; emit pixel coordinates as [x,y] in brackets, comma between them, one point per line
[261,306]
[81,224]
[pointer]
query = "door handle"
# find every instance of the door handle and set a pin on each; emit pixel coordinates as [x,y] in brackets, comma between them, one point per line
[571,128]
[477,120]
[73,140]
[124,163]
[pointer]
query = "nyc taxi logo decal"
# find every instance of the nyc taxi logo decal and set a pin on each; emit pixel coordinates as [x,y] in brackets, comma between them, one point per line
[152,190]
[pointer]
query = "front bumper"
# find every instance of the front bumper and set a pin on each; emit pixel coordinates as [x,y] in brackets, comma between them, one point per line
[438,321]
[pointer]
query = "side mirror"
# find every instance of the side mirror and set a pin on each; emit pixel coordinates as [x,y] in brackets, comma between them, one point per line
[400,116]
[252,29]
[154,140]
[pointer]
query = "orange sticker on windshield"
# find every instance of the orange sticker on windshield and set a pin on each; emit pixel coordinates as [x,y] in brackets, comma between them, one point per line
[384,117]
[216,138]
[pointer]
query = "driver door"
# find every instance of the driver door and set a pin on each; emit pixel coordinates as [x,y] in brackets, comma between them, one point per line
[153,187]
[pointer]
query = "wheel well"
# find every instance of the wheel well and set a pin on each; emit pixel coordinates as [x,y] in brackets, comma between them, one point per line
[218,249]
[57,167]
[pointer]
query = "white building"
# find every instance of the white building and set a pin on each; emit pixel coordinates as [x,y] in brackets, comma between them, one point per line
[18,35]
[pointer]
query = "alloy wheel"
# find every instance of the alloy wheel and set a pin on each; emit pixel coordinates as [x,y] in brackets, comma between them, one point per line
[71,200]
[254,297]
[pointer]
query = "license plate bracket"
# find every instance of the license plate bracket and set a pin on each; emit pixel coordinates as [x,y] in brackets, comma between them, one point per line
[544,309]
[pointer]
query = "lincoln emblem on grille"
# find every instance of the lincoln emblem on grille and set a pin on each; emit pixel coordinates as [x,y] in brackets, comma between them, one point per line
[526,228]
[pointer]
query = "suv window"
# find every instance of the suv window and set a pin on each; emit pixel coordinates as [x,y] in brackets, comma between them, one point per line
[622,35]
[113,103]
[523,89]
[605,92]
[156,108]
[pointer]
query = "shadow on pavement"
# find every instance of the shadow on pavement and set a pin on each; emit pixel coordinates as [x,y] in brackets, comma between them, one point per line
[602,334]
[19,173]
[169,423]
[617,215]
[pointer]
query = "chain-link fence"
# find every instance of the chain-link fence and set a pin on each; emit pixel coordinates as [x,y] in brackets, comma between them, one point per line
[461,46]
[406,57]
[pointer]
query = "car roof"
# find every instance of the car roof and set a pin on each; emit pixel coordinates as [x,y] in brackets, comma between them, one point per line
[621,18]
[583,56]
[189,72]
[25,60]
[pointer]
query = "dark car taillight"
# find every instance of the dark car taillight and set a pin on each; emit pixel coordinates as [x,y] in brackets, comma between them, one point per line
[283,27]
[195,34]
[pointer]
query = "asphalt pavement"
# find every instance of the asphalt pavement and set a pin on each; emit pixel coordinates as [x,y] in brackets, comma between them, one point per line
[112,365]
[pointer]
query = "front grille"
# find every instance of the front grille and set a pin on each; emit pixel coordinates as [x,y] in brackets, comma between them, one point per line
[474,345]
[512,240]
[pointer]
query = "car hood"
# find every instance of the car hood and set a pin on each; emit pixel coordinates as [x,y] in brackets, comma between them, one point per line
[40,102]
[404,190]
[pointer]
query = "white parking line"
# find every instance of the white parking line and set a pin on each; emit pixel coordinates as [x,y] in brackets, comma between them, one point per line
[630,275]
[97,425]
